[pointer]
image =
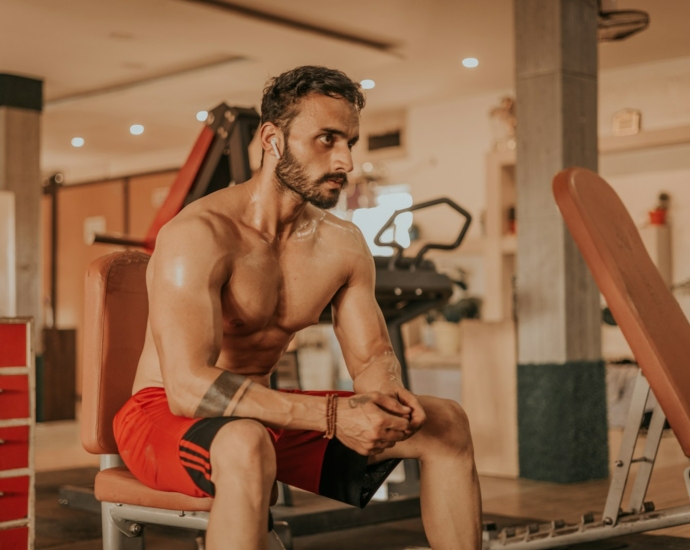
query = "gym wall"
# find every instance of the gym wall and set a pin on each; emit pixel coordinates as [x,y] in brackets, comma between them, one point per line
[125,205]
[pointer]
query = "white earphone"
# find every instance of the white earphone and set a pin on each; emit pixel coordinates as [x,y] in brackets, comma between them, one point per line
[274,142]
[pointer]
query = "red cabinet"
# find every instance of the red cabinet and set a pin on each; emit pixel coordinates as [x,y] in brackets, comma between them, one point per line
[14,447]
[17,421]
[14,539]
[14,396]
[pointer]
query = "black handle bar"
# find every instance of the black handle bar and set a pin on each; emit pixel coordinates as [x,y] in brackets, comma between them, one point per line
[395,259]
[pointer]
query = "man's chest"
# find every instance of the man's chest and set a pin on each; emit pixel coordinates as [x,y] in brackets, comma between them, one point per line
[286,291]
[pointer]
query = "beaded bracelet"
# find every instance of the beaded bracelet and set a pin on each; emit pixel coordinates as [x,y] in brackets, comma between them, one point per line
[331,415]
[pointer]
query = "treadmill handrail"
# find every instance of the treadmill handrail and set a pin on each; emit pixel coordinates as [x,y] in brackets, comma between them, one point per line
[416,262]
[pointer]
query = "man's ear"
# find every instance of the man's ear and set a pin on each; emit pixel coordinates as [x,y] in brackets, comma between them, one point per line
[272,140]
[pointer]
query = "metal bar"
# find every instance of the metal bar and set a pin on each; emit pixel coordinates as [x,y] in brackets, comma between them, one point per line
[158,516]
[598,531]
[79,498]
[627,448]
[323,521]
[654,433]
[111,461]
[395,334]
[113,538]
[117,239]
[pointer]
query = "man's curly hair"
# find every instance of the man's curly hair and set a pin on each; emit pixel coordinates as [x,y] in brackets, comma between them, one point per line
[282,94]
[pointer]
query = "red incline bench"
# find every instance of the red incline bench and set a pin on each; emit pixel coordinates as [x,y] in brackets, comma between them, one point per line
[659,335]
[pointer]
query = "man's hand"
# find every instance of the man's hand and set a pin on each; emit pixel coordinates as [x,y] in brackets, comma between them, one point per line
[417,415]
[369,423]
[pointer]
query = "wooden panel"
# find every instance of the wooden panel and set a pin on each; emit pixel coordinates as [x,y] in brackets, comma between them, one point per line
[489,394]
[59,374]
[12,345]
[146,194]
[14,396]
[8,281]
[14,447]
[14,498]
[75,205]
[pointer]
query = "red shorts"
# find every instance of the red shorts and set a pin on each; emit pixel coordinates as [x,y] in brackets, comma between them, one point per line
[171,453]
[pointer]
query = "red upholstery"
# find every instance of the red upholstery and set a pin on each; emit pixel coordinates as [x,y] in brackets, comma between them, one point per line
[119,485]
[115,325]
[649,316]
[116,312]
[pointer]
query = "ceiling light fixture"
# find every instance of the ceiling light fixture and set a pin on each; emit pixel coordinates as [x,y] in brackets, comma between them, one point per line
[77,142]
[201,116]
[136,129]
[470,62]
[367,84]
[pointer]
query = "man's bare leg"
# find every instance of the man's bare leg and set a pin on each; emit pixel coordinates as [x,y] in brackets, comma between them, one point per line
[244,470]
[450,495]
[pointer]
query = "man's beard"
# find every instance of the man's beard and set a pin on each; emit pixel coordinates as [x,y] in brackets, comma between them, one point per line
[291,174]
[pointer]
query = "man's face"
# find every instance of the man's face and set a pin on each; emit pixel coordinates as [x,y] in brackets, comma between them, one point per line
[317,155]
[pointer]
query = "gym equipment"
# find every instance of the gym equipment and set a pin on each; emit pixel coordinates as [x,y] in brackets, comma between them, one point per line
[219,158]
[116,317]
[659,335]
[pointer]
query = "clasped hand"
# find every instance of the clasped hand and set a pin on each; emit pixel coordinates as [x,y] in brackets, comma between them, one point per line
[372,422]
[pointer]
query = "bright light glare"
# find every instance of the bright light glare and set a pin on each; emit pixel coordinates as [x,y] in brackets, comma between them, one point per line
[371,220]
[367,84]
[367,167]
[77,142]
[201,116]
[470,62]
[136,129]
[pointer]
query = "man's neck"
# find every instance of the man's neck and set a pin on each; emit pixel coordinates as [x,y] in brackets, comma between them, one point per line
[273,210]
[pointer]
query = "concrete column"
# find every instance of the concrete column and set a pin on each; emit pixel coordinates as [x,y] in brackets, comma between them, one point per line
[561,379]
[21,102]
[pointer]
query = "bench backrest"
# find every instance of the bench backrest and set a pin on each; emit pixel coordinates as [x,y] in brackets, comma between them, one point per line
[116,313]
[649,316]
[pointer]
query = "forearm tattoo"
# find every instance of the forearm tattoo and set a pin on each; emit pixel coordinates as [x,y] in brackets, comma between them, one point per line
[223,395]
[358,401]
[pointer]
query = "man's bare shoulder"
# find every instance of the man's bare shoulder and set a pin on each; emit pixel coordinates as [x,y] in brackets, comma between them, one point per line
[208,224]
[337,231]
[345,240]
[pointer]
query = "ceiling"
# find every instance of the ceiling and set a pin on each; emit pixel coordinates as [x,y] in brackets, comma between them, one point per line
[109,64]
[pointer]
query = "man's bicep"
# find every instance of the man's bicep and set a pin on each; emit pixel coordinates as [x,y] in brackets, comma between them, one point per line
[185,311]
[357,318]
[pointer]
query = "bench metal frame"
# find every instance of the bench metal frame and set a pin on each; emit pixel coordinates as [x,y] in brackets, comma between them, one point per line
[123,524]
[639,516]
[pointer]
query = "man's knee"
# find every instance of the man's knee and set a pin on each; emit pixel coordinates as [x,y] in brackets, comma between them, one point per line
[453,427]
[243,447]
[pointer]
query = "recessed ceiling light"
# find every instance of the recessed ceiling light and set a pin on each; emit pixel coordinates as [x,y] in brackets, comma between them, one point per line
[77,142]
[201,116]
[367,84]
[470,62]
[136,129]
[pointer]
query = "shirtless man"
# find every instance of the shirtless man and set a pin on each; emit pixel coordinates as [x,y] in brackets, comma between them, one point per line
[233,277]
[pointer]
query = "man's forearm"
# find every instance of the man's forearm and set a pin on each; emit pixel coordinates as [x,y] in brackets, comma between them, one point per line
[380,373]
[213,392]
